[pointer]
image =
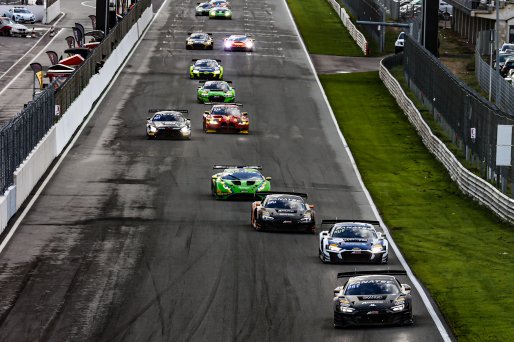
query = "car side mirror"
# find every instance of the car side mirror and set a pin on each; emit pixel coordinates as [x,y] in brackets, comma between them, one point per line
[148,118]
[214,177]
[337,290]
[311,206]
[324,233]
[206,112]
[268,178]
[380,236]
[244,114]
[406,288]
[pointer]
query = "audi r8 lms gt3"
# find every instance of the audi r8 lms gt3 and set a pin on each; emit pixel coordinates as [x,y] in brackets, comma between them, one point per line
[372,298]
[226,118]
[220,13]
[203,8]
[216,91]
[199,41]
[241,182]
[206,68]
[352,241]
[238,42]
[168,123]
[283,211]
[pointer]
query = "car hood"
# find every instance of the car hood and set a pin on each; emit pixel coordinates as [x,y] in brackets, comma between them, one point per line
[172,124]
[292,213]
[19,27]
[372,302]
[352,243]
[204,68]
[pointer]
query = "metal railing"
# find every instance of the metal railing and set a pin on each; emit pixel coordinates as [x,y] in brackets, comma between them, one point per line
[21,134]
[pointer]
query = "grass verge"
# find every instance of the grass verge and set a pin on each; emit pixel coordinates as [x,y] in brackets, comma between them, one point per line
[461,252]
[322,29]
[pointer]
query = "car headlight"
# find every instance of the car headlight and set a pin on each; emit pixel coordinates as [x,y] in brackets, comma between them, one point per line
[153,129]
[216,71]
[185,130]
[195,71]
[249,44]
[228,93]
[398,307]
[225,186]
[334,247]
[266,216]
[399,304]
[377,249]
[262,186]
[205,92]
[227,44]
[307,217]
[227,14]
[344,305]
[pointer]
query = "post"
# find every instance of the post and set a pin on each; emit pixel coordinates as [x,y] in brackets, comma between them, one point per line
[491,41]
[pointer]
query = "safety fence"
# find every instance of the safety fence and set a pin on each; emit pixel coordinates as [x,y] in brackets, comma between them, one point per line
[20,135]
[366,10]
[474,186]
[491,81]
[359,38]
[468,119]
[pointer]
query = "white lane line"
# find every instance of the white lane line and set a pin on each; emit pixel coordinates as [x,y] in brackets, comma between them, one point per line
[419,288]
[84,3]
[77,135]
[18,61]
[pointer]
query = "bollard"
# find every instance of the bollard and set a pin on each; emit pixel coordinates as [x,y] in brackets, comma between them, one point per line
[33,35]
[52,31]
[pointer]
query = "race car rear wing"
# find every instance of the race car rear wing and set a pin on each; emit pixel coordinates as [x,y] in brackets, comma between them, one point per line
[375,223]
[202,82]
[266,193]
[190,33]
[197,59]
[224,103]
[222,167]
[153,111]
[369,272]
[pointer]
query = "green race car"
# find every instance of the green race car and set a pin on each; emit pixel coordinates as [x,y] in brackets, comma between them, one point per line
[238,182]
[216,91]
[206,68]
[220,13]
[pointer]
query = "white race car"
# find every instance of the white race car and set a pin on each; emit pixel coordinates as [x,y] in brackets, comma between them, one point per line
[352,241]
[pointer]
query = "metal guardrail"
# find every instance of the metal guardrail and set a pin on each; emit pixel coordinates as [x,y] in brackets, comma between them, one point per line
[352,29]
[21,134]
[470,184]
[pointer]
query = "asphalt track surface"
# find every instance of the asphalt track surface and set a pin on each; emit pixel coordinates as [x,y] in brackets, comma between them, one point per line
[125,243]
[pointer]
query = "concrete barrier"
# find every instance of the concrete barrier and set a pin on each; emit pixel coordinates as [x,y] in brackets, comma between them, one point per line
[52,12]
[28,174]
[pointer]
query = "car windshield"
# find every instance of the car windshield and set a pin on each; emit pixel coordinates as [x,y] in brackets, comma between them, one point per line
[241,175]
[206,64]
[216,86]
[239,39]
[21,10]
[402,35]
[372,287]
[221,9]
[284,203]
[352,232]
[198,36]
[168,117]
[206,5]
[226,110]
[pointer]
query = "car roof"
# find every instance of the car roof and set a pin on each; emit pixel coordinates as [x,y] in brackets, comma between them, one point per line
[167,112]
[216,82]
[284,196]
[206,60]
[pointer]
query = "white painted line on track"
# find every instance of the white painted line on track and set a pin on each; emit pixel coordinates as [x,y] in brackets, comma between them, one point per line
[84,3]
[439,324]
[19,59]
[32,60]
[77,135]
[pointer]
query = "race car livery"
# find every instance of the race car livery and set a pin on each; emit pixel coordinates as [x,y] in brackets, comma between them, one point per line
[352,241]
[220,13]
[216,91]
[239,182]
[226,118]
[199,41]
[203,8]
[372,298]
[206,68]
[283,211]
[10,28]
[238,42]
[168,123]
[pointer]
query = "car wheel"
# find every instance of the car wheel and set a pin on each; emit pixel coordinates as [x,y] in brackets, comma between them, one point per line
[322,257]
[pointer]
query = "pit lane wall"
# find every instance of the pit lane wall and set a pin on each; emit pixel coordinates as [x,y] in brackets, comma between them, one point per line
[470,184]
[33,168]
[354,32]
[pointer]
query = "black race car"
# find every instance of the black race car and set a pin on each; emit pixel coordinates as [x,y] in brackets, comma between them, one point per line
[168,123]
[202,8]
[283,211]
[372,298]
[199,41]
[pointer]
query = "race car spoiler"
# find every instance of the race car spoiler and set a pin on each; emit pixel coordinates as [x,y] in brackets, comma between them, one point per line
[225,103]
[266,193]
[222,167]
[198,59]
[375,272]
[190,33]
[375,223]
[153,111]
[202,82]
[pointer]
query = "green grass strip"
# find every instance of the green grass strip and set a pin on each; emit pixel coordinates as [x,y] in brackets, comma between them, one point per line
[460,250]
[322,30]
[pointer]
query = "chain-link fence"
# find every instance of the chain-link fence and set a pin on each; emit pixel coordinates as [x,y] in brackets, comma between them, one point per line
[391,8]
[21,134]
[468,119]
[491,81]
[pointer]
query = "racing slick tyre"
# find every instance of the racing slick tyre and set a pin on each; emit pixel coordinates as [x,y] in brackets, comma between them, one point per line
[322,258]
[254,222]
